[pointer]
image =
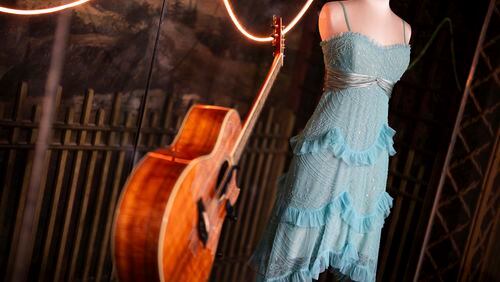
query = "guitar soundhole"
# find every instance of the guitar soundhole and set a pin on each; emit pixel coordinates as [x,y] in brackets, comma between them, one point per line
[202,226]
[220,177]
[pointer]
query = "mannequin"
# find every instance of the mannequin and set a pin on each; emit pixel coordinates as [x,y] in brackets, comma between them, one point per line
[332,201]
[373,18]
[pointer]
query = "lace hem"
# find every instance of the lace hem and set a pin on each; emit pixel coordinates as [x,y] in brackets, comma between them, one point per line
[341,204]
[334,140]
[345,261]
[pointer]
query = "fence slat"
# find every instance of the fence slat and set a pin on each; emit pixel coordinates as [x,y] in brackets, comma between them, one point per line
[35,118]
[61,168]
[112,204]
[408,221]
[397,208]
[153,124]
[167,119]
[9,173]
[87,107]
[261,199]
[255,192]
[87,190]
[115,119]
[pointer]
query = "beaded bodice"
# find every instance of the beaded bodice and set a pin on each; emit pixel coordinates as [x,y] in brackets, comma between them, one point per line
[357,109]
[354,52]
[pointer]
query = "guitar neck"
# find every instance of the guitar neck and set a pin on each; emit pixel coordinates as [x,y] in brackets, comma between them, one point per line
[257,106]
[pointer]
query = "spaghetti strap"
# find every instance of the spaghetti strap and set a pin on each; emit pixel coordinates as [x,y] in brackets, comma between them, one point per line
[345,16]
[404,31]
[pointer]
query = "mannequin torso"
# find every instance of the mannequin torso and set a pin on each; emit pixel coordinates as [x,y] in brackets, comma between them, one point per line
[373,18]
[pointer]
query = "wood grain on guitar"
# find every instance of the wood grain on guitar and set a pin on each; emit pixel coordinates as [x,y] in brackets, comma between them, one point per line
[169,217]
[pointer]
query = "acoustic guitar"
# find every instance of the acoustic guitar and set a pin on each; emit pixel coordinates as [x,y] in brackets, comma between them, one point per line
[170,213]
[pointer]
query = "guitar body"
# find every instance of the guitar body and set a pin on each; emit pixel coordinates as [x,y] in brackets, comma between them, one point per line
[170,213]
[170,195]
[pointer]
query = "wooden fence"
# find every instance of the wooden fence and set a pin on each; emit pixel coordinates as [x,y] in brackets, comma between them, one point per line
[89,158]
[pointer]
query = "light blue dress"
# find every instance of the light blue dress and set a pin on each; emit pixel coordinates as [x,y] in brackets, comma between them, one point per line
[332,202]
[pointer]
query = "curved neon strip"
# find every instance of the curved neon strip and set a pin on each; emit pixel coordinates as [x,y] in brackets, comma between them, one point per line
[297,17]
[42,11]
[268,38]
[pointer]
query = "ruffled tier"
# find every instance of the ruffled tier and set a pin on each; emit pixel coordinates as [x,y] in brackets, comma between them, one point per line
[346,261]
[334,140]
[342,204]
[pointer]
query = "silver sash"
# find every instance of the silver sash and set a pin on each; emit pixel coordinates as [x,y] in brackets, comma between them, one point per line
[337,79]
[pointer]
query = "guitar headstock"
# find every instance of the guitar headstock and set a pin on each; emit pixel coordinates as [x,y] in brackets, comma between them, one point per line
[278,36]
